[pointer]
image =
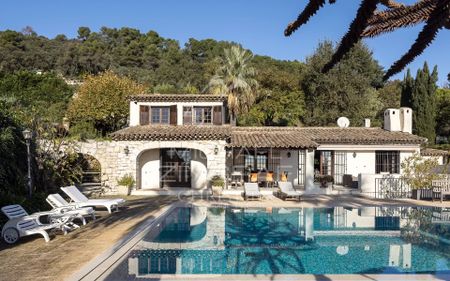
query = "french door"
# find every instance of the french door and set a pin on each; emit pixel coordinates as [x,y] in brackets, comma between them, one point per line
[175,167]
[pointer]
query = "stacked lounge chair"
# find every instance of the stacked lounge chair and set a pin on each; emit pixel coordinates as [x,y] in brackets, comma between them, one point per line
[82,201]
[22,224]
[58,203]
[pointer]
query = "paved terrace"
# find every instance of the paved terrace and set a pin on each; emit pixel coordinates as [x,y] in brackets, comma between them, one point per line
[33,259]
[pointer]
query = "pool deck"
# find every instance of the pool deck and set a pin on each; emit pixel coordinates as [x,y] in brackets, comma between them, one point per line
[64,256]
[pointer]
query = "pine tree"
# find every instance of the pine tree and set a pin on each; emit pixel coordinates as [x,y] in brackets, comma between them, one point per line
[424,103]
[407,89]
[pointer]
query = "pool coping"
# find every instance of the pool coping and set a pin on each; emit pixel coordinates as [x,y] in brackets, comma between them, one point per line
[99,267]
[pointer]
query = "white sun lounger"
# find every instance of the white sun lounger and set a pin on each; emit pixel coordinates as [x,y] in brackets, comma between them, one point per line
[251,191]
[22,224]
[287,191]
[59,204]
[83,201]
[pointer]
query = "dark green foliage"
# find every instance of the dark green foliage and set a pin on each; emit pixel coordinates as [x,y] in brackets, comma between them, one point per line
[12,155]
[420,95]
[31,95]
[346,90]
[407,90]
[443,112]
[83,32]
[83,131]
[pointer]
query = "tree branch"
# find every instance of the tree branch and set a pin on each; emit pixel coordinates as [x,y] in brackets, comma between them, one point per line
[365,12]
[436,21]
[309,11]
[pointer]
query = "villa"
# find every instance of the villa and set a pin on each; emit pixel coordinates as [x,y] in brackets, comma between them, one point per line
[177,143]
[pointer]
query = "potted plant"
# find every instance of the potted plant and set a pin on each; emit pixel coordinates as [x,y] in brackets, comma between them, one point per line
[217,184]
[419,173]
[126,183]
[325,180]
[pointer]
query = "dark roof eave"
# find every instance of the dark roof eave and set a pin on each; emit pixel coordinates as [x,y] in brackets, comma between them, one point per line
[176,98]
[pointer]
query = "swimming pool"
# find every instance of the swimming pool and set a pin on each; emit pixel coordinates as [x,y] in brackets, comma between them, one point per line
[339,240]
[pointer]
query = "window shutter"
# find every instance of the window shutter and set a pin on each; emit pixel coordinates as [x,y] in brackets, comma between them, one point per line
[187,115]
[173,115]
[144,115]
[217,118]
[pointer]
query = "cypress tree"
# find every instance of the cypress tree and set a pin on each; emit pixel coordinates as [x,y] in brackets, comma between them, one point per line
[424,103]
[407,89]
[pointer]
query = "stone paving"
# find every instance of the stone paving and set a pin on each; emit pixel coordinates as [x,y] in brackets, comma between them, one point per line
[33,259]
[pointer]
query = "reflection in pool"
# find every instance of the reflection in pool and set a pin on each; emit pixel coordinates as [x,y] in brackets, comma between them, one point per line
[336,240]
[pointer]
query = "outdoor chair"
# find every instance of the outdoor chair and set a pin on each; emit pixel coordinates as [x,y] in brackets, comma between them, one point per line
[283,177]
[287,191]
[269,179]
[83,201]
[253,177]
[58,203]
[441,188]
[251,191]
[22,224]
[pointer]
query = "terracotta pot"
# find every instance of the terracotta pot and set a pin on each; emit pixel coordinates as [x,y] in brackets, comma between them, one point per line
[123,190]
[216,190]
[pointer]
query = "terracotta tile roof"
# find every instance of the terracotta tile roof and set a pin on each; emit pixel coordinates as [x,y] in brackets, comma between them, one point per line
[281,137]
[177,98]
[360,135]
[168,133]
[434,152]
[265,137]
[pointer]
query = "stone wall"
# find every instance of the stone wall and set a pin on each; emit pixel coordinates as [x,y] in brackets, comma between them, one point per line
[115,162]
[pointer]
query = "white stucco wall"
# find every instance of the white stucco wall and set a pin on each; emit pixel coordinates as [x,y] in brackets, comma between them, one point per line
[440,159]
[309,170]
[289,165]
[134,109]
[363,162]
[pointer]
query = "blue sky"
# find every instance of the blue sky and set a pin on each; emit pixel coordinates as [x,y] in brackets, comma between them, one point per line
[257,24]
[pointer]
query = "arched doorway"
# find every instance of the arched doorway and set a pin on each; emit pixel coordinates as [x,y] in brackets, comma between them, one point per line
[91,173]
[172,168]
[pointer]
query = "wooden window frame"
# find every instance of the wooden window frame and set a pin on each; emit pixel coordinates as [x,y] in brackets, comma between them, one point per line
[160,115]
[203,108]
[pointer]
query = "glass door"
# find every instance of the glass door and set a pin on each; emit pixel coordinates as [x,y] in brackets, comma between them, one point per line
[175,167]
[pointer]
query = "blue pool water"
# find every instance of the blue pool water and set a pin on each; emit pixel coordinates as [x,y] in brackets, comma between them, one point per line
[338,240]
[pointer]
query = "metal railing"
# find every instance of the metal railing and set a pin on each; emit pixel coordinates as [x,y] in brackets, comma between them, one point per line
[392,188]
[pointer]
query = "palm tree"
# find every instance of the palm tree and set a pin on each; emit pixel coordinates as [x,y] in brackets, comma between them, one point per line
[370,22]
[235,79]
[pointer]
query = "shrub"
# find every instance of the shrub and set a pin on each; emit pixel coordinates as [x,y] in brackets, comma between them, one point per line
[126,180]
[324,178]
[419,172]
[217,181]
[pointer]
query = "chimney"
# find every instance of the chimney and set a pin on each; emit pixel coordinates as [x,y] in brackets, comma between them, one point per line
[392,120]
[367,123]
[406,119]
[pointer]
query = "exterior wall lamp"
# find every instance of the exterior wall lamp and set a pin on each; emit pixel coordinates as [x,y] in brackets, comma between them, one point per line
[354,154]
[126,150]
[289,154]
[27,135]
[216,150]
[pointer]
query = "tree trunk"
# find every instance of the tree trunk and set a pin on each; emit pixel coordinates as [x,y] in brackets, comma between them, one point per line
[233,119]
